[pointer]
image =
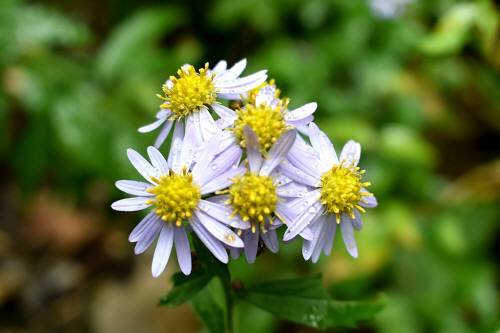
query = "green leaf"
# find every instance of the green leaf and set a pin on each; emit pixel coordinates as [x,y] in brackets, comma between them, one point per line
[210,263]
[186,287]
[452,30]
[349,313]
[209,305]
[134,37]
[305,301]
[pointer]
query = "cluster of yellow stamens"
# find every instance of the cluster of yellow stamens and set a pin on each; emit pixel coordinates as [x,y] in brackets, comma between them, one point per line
[267,122]
[253,198]
[189,92]
[341,190]
[175,196]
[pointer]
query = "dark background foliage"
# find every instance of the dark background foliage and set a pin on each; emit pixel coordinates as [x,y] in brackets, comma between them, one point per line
[420,90]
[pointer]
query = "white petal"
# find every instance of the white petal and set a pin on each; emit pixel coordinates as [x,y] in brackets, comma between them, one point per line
[213,245]
[292,190]
[298,175]
[131,204]
[152,126]
[207,124]
[220,67]
[224,112]
[302,156]
[158,161]
[163,113]
[222,181]
[348,237]
[253,149]
[302,112]
[322,144]
[330,232]
[270,240]
[174,157]
[251,245]
[300,205]
[368,202]
[146,223]
[163,250]
[351,153]
[208,152]
[133,187]
[218,165]
[278,152]
[309,216]
[163,133]
[243,84]
[148,235]
[233,72]
[222,213]
[141,165]
[183,251]
[219,231]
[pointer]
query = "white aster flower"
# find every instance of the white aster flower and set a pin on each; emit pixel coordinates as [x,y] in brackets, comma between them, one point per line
[175,190]
[255,197]
[333,193]
[190,96]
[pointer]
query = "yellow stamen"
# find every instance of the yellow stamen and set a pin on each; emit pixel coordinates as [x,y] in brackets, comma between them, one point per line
[175,197]
[341,190]
[253,198]
[189,92]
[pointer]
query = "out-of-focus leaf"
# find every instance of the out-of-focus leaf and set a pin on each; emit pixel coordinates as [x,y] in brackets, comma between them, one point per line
[186,287]
[406,145]
[134,36]
[451,31]
[31,156]
[209,305]
[307,302]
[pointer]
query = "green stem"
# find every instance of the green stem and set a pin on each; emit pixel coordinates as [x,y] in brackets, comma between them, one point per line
[229,304]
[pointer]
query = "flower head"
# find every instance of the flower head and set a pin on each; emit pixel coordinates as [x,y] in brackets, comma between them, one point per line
[255,196]
[189,97]
[174,190]
[333,194]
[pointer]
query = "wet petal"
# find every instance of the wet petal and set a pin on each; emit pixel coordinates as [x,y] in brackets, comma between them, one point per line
[278,152]
[163,250]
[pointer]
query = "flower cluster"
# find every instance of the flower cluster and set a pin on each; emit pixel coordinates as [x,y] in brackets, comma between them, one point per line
[236,173]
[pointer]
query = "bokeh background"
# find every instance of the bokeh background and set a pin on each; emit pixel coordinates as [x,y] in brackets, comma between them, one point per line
[416,82]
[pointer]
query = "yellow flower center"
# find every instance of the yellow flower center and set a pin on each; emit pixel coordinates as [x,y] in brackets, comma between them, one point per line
[189,92]
[175,196]
[253,198]
[268,123]
[341,190]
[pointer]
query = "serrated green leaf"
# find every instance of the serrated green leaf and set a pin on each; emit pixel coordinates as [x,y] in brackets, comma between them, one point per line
[306,301]
[209,306]
[186,287]
[303,300]
[349,313]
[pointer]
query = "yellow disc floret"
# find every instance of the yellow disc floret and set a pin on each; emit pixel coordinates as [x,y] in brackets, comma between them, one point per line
[188,92]
[175,196]
[341,190]
[253,198]
[267,122]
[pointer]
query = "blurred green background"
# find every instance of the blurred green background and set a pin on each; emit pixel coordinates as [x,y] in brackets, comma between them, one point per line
[416,82]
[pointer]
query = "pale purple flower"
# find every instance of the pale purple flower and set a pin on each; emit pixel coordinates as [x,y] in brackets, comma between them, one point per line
[255,197]
[175,188]
[207,88]
[331,194]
